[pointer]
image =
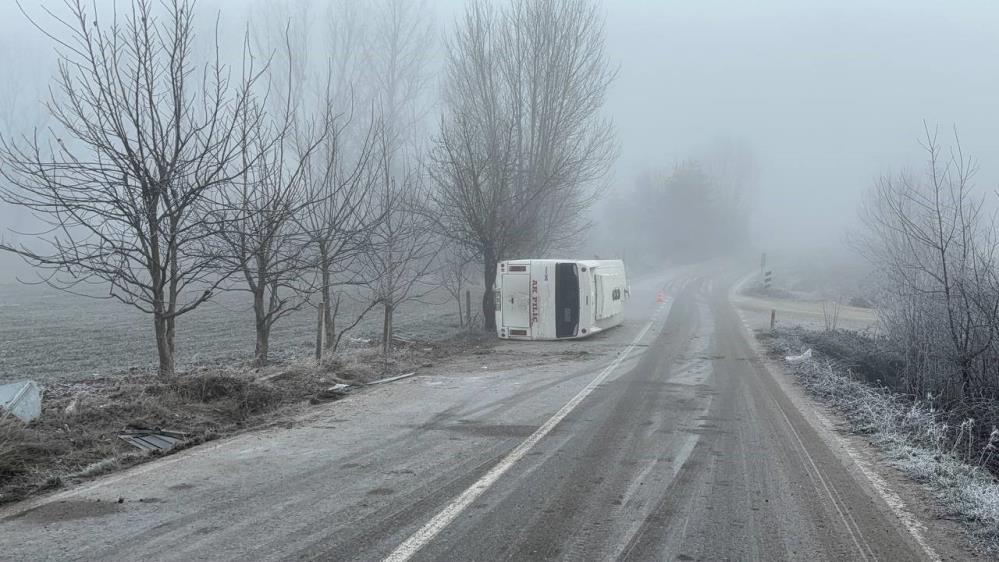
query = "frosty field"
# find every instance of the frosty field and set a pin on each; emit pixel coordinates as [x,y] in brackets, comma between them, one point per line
[48,335]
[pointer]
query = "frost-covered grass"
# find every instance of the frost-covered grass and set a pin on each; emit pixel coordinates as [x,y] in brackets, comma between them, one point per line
[914,435]
[50,336]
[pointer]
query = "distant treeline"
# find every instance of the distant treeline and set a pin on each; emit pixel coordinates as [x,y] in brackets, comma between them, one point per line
[697,210]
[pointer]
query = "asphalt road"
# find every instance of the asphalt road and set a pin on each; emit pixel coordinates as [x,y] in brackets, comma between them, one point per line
[677,444]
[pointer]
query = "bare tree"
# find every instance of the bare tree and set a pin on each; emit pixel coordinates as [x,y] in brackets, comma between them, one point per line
[262,215]
[522,149]
[377,54]
[335,179]
[404,244]
[935,249]
[399,41]
[147,139]
[342,182]
[557,74]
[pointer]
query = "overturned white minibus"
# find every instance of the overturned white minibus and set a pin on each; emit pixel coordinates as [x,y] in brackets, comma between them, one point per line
[556,299]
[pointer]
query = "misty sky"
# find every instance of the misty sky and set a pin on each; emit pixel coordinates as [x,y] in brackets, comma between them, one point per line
[828,94]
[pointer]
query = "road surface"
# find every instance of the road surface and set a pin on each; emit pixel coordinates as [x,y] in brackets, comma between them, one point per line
[676,444]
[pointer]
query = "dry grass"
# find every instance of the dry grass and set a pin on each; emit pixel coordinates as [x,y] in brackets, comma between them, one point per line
[77,435]
[950,458]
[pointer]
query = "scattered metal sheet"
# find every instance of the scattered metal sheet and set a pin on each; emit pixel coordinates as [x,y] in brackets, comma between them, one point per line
[23,400]
[153,439]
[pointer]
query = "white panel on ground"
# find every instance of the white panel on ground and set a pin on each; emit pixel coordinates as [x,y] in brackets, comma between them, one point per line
[21,399]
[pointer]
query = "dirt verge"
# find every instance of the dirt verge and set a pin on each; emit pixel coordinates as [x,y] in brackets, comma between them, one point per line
[77,436]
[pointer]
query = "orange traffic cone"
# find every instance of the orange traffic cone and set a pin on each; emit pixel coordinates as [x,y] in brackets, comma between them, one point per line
[660,297]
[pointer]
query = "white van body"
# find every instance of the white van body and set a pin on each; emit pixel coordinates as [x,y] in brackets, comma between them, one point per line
[558,299]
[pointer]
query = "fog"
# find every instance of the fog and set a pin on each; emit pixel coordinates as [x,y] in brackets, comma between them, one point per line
[828,95]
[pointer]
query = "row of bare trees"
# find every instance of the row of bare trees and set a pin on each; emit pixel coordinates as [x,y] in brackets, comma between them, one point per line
[304,179]
[935,246]
[171,179]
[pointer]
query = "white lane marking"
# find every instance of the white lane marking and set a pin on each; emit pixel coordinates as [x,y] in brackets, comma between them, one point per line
[420,538]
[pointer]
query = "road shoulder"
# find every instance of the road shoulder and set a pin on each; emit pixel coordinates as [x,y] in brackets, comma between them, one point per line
[910,505]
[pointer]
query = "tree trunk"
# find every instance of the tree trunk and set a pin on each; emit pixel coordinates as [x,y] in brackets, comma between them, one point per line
[966,385]
[263,344]
[171,339]
[171,322]
[319,333]
[263,329]
[488,296]
[164,345]
[387,330]
[327,292]
[329,320]
[162,327]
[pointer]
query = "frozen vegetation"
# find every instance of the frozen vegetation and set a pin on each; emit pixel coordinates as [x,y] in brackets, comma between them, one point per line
[928,444]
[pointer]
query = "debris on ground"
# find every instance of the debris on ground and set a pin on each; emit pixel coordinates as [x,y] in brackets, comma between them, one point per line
[153,439]
[793,359]
[23,400]
[332,393]
[74,406]
[392,379]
